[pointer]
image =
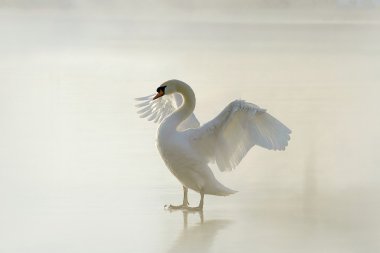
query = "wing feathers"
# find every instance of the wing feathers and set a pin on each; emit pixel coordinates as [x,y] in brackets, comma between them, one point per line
[157,110]
[229,136]
[145,98]
[241,125]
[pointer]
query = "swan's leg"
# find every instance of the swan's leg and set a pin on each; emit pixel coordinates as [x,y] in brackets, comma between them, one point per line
[200,206]
[185,202]
[201,202]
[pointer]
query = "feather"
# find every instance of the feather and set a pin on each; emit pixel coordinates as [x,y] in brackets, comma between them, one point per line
[228,137]
[157,110]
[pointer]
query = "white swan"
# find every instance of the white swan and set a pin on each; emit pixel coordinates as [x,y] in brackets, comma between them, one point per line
[187,148]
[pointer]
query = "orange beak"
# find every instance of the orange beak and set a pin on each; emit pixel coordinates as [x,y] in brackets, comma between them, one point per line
[159,94]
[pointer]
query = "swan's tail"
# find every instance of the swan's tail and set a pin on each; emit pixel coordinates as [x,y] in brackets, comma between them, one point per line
[218,189]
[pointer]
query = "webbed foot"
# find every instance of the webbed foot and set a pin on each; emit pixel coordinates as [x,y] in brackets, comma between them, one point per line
[184,208]
[179,207]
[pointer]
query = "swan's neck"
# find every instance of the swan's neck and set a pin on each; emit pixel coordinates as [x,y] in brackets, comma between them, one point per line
[187,107]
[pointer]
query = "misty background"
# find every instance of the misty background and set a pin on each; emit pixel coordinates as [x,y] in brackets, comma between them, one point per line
[79,170]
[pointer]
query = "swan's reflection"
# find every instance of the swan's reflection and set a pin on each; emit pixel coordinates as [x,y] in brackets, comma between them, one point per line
[198,237]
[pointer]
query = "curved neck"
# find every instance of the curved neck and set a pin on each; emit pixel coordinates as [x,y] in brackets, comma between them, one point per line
[187,107]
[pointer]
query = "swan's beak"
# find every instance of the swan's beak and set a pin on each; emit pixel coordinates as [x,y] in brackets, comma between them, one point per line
[159,94]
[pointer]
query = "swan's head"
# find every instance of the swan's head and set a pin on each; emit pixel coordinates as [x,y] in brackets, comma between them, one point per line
[167,88]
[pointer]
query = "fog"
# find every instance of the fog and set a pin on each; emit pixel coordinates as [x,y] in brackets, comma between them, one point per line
[79,170]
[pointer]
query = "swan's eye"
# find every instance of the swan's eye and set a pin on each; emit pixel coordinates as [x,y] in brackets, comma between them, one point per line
[161,88]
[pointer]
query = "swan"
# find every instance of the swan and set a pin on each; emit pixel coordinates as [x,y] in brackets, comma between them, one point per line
[187,148]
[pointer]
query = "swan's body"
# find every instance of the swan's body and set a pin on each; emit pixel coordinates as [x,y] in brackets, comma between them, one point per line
[187,148]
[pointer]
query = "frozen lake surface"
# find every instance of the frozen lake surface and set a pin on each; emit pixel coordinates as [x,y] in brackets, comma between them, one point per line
[79,171]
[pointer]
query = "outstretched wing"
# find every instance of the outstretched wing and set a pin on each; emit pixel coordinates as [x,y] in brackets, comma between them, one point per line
[227,138]
[157,110]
